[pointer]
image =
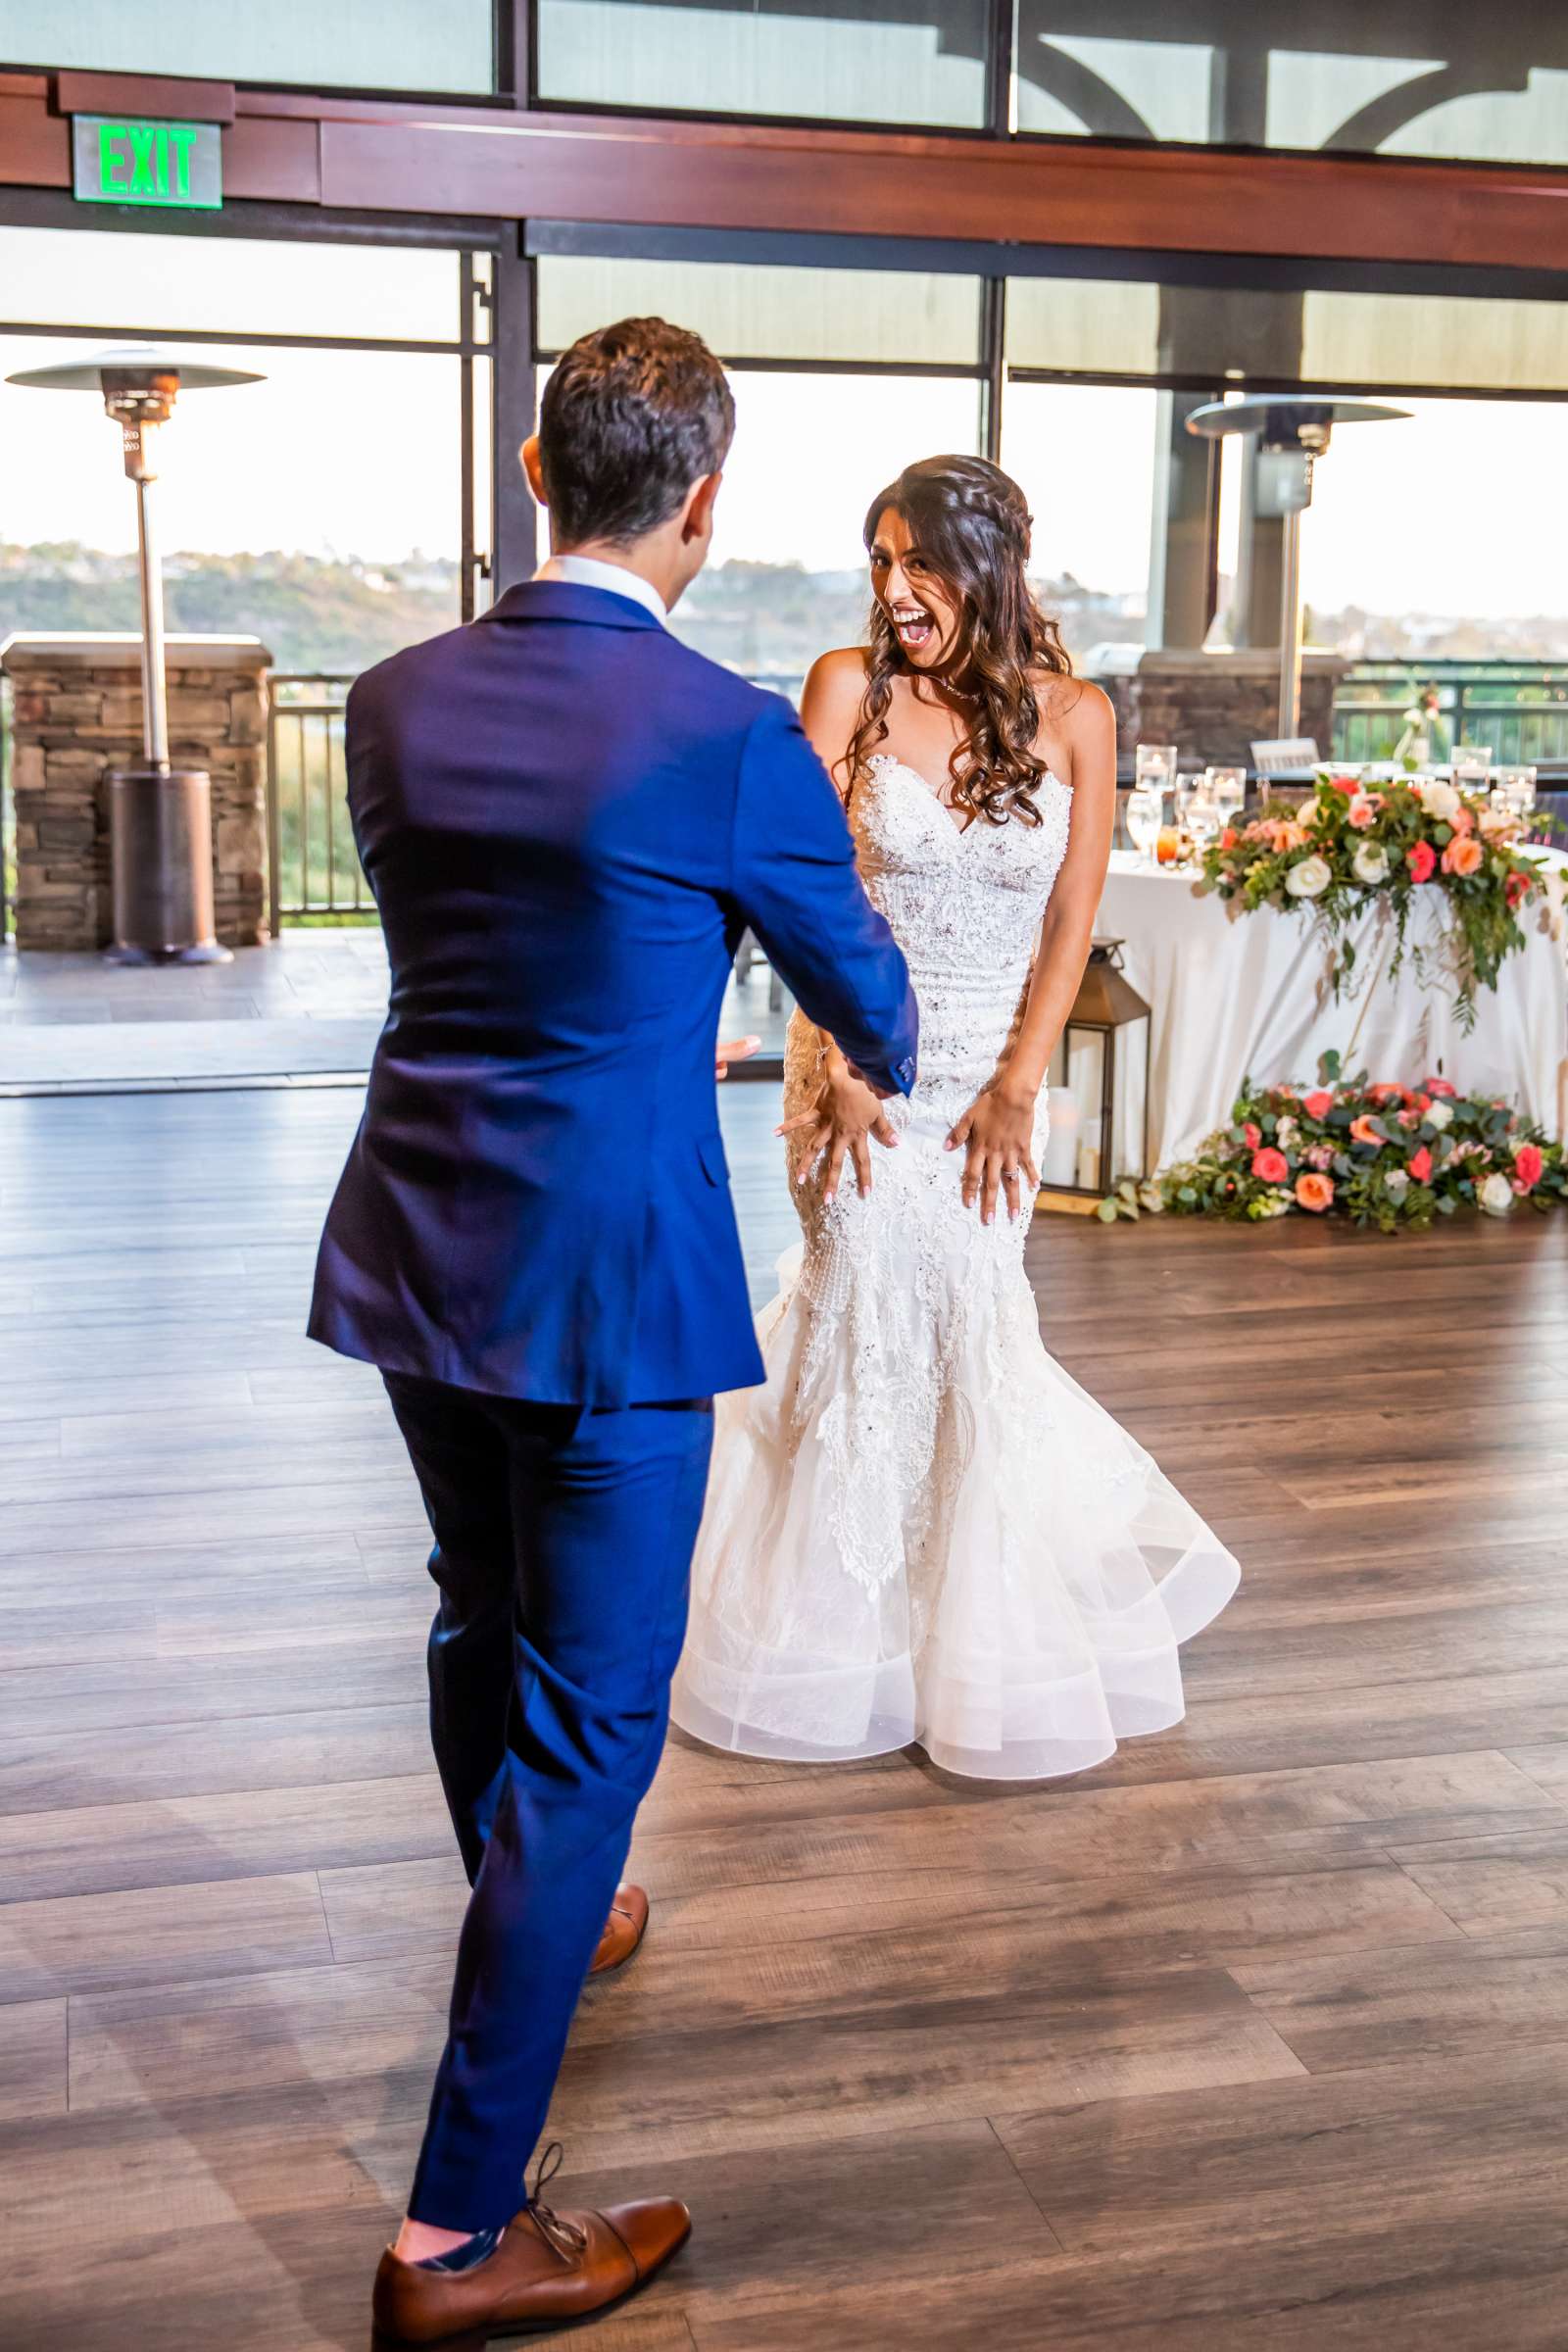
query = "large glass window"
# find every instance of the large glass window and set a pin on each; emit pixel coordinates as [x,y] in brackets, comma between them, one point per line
[289,509]
[319,509]
[841,377]
[1436,77]
[877,61]
[787,578]
[1271,336]
[1083,456]
[757,311]
[88,277]
[1442,535]
[362,44]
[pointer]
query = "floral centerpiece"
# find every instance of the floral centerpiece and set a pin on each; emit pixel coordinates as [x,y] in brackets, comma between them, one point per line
[1350,846]
[1384,1155]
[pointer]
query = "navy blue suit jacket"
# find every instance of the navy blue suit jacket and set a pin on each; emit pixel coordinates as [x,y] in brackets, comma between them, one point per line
[568,817]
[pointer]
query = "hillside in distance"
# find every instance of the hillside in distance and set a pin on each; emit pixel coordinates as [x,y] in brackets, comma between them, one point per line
[770,621]
[312,614]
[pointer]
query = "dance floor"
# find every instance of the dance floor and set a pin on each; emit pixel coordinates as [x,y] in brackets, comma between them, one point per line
[1253,2040]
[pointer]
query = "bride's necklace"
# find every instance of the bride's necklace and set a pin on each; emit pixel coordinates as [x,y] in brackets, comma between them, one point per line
[958,694]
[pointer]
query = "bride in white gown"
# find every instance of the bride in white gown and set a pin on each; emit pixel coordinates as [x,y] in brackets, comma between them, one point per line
[922,1528]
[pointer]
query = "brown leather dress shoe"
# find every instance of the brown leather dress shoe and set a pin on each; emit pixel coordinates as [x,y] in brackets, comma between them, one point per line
[549,2268]
[625,1930]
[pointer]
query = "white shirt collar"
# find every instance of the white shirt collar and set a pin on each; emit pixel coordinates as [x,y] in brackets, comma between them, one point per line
[587,571]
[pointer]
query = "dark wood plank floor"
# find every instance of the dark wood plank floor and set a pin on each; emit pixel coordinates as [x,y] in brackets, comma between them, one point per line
[1255,2037]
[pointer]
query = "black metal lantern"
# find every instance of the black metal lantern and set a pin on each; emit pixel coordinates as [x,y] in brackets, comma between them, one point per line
[1099,1111]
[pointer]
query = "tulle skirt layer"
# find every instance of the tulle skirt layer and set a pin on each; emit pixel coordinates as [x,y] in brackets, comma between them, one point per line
[922,1529]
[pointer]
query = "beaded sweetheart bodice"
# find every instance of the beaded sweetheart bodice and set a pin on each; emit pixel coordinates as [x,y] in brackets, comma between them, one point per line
[964,902]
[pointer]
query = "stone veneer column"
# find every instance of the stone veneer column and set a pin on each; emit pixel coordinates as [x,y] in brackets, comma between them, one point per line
[1214,707]
[75,713]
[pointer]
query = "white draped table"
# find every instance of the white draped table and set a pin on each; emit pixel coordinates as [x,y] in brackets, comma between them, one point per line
[1233,996]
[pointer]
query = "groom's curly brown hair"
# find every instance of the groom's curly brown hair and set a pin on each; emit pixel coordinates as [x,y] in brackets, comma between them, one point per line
[632,416]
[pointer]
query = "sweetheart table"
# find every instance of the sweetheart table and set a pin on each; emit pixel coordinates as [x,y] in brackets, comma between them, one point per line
[1234,996]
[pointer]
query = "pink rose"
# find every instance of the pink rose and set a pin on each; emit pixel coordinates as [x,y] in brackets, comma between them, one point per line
[1515,890]
[1462,856]
[1465,822]
[1270,1167]
[1251,1135]
[1442,1090]
[1528,1165]
[1321,1155]
[1420,1164]
[1362,812]
[1422,861]
[1318,1104]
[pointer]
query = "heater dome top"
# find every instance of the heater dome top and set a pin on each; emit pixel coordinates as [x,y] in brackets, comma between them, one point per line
[125,363]
[1287,419]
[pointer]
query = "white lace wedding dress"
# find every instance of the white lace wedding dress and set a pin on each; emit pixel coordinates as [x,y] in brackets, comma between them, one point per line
[922,1528]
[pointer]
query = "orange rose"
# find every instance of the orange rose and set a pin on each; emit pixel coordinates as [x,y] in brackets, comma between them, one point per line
[1363,1131]
[1314,1192]
[1463,854]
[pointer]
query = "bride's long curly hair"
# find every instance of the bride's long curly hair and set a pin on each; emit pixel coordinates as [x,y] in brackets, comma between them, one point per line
[972,523]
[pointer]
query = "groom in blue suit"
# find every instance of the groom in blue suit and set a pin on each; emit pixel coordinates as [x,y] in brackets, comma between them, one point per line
[568,818]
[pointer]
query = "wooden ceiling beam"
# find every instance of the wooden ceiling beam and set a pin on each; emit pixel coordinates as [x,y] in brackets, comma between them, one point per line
[385,155]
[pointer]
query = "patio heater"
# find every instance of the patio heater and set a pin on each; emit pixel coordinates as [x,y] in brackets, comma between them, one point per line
[1293,431]
[159,816]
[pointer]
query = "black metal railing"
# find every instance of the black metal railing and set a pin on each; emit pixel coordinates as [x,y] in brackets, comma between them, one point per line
[1519,708]
[315,872]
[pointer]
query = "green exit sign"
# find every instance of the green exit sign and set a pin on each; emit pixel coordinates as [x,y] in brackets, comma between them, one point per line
[171,167]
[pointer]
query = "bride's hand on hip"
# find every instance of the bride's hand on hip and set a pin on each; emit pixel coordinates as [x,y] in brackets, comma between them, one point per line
[997,1135]
[842,1121]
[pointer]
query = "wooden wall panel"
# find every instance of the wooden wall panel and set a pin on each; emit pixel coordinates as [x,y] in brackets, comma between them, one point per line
[166,97]
[34,145]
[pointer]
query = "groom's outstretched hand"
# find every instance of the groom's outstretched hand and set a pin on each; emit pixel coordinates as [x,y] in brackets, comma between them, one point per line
[738,1049]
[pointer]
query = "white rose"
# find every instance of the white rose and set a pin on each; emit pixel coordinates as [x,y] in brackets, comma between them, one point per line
[1496,1194]
[1440,801]
[1396,1183]
[1370,862]
[1439,1115]
[1286,1133]
[1311,879]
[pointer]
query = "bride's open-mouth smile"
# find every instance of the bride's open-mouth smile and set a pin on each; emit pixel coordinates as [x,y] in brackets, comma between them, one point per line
[914,627]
